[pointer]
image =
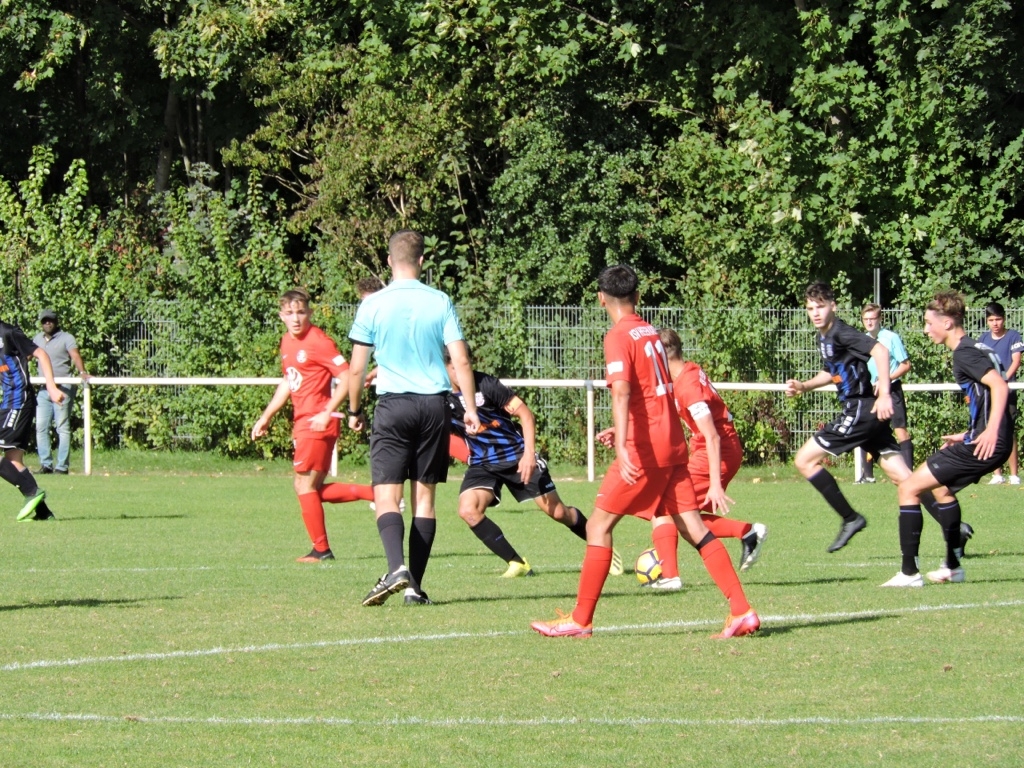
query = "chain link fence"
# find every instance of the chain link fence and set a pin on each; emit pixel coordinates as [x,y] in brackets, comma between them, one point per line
[733,344]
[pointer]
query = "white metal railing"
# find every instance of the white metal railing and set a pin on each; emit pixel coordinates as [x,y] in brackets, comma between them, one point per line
[588,385]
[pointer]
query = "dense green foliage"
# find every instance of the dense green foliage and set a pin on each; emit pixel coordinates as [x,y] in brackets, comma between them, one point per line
[213,152]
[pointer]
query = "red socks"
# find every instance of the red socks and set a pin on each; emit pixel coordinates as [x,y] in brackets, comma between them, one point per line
[313,517]
[339,493]
[719,567]
[596,564]
[666,540]
[725,527]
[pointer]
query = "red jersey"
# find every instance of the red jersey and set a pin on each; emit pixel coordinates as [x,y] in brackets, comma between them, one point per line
[309,363]
[695,395]
[633,353]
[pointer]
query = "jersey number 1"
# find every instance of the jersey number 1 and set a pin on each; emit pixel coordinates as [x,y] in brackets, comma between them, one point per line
[656,354]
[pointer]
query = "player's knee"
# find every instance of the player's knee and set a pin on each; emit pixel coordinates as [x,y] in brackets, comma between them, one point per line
[471,515]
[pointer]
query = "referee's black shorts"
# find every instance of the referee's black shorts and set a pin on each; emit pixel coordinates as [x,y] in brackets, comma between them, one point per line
[409,439]
[899,406]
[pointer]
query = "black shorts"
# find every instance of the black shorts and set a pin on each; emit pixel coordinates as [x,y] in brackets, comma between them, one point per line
[899,406]
[409,439]
[1011,407]
[491,477]
[17,427]
[957,467]
[857,427]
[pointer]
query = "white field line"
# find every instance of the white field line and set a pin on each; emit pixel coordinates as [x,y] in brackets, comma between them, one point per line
[458,722]
[807,618]
[552,567]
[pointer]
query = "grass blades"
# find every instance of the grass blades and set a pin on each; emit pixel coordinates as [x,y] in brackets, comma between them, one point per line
[162,621]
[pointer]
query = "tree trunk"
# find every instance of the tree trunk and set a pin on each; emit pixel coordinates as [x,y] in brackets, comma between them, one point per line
[163,163]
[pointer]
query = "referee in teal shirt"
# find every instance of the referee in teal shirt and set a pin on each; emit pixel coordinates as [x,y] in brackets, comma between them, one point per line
[408,325]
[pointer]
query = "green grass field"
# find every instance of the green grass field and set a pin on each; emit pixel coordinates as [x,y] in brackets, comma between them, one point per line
[162,621]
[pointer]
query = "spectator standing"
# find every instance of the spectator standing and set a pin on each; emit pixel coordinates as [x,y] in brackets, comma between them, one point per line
[899,366]
[1008,345]
[62,349]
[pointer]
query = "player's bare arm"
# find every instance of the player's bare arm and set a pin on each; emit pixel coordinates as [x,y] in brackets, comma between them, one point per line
[459,353]
[620,415]
[356,374]
[716,493]
[339,394]
[985,444]
[796,387]
[46,368]
[883,400]
[528,463]
[281,395]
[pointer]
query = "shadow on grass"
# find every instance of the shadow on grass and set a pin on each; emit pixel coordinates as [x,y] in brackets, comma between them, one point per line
[565,597]
[85,602]
[985,555]
[806,582]
[831,621]
[63,519]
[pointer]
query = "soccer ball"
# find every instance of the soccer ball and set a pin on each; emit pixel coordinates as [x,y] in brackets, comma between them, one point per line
[648,566]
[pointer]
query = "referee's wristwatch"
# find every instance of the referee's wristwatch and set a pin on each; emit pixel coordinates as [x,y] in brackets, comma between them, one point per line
[357,412]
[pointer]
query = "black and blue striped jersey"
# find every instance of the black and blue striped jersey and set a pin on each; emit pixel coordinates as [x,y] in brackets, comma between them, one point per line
[15,349]
[971,361]
[845,352]
[500,439]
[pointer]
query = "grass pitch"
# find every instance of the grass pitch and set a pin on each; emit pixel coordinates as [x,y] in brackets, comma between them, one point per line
[162,621]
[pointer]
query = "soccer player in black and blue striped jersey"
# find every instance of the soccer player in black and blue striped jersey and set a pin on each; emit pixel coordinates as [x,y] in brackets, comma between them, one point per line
[503,454]
[866,409]
[965,457]
[17,416]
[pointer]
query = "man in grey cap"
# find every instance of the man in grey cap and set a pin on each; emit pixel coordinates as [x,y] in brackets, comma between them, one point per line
[63,351]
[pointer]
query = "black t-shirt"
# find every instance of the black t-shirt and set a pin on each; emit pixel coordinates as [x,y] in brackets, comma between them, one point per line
[971,361]
[15,349]
[845,352]
[500,439]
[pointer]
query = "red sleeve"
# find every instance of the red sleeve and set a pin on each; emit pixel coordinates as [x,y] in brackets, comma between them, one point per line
[618,365]
[691,390]
[329,357]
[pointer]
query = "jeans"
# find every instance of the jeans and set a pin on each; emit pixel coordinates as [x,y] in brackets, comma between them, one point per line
[47,413]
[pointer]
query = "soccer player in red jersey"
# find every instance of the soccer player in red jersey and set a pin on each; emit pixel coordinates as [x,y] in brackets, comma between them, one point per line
[715,457]
[649,474]
[309,361]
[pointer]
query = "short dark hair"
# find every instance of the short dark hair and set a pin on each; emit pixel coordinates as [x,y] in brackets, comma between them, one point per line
[994,309]
[672,343]
[448,355]
[367,285]
[406,247]
[951,304]
[618,281]
[300,295]
[819,291]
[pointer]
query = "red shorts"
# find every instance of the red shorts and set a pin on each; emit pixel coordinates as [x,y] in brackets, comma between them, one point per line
[700,471]
[312,454]
[659,491]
